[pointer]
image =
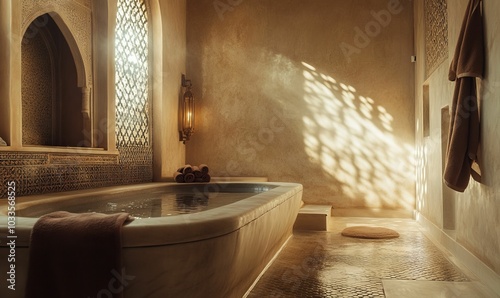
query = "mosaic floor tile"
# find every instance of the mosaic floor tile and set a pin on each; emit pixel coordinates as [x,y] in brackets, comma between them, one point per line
[326,264]
[442,289]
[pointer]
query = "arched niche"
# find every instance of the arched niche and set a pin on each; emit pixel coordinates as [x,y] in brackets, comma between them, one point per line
[54,111]
[38,22]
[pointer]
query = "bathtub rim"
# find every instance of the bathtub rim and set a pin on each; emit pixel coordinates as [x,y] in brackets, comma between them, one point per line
[167,230]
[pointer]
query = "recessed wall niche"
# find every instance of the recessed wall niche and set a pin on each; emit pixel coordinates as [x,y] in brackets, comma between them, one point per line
[51,99]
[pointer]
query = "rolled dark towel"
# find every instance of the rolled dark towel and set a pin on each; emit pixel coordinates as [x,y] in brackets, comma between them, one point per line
[187,169]
[203,168]
[205,178]
[189,177]
[178,177]
[196,171]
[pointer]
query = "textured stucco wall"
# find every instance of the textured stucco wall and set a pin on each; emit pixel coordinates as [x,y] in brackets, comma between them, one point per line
[477,211]
[168,152]
[5,77]
[315,92]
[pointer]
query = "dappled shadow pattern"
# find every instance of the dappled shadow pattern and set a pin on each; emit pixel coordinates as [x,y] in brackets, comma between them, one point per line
[352,138]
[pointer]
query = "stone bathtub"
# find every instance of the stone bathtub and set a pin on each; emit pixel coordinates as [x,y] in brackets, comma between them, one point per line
[218,252]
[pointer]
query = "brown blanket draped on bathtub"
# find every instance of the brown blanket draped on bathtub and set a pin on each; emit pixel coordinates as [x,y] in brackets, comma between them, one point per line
[467,64]
[76,255]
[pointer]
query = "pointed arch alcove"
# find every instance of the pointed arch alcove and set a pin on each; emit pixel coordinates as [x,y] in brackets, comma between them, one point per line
[55,100]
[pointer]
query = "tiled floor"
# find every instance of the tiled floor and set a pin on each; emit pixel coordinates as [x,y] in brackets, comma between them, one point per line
[326,264]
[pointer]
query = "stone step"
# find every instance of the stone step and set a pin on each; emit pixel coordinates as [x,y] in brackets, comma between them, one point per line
[313,218]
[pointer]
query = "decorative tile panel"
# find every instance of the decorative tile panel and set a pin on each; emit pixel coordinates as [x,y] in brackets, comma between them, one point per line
[22,159]
[36,91]
[37,176]
[436,34]
[82,159]
[136,155]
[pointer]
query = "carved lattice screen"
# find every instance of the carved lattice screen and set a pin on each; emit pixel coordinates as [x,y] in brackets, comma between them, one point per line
[131,77]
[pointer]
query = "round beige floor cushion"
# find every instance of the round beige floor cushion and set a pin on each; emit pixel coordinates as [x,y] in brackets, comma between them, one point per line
[369,232]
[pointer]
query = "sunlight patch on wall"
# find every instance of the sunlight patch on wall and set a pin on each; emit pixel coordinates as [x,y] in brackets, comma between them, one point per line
[421,175]
[352,139]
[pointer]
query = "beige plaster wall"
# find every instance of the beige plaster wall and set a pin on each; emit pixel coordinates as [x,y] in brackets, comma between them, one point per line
[168,152]
[5,78]
[476,212]
[292,90]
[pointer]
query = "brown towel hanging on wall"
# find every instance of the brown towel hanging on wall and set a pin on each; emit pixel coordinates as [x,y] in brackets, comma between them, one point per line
[467,65]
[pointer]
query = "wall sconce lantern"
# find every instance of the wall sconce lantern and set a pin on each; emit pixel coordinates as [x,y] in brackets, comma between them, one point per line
[186,112]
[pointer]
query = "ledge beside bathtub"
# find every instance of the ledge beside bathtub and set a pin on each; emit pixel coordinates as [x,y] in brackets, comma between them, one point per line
[239,179]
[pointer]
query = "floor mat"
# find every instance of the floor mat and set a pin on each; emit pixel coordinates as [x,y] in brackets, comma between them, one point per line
[369,232]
